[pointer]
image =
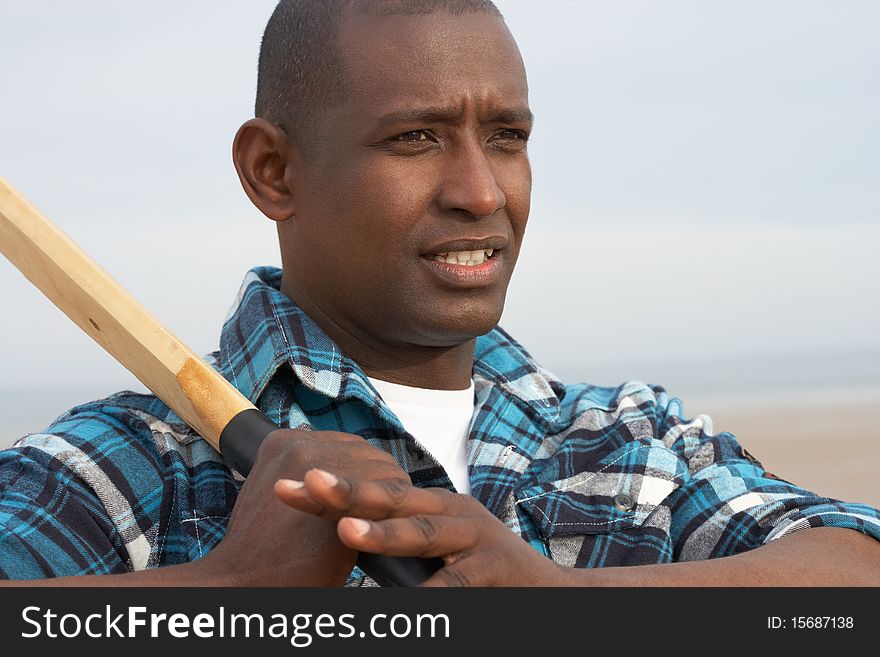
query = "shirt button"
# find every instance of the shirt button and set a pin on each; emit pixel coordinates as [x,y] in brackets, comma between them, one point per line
[623,502]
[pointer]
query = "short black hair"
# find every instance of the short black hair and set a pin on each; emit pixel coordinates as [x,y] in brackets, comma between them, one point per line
[300,69]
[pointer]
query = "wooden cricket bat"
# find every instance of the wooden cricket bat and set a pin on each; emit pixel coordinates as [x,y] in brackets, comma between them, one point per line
[115,320]
[84,292]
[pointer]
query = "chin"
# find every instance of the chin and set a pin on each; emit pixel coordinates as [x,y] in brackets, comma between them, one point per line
[458,329]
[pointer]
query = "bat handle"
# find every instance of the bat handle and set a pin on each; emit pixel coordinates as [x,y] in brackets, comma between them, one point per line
[239,443]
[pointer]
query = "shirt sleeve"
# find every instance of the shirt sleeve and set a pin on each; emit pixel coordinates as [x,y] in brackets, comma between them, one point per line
[729,503]
[82,498]
[51,523]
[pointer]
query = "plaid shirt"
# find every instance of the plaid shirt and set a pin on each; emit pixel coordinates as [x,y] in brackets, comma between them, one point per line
[589,476]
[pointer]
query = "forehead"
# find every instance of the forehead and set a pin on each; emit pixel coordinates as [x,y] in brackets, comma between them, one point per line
[394,62]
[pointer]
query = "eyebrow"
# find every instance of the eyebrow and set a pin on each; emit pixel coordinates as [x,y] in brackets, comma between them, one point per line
[444,114]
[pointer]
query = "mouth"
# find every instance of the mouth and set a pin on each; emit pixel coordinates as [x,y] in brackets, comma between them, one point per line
[467,263]
[467,252]
[464,258]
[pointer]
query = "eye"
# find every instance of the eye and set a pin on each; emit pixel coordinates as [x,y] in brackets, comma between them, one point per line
[511,134]
[411,142]
[509,139]
[412,136]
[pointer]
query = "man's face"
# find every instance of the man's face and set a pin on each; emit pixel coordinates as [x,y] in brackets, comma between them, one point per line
[414,195]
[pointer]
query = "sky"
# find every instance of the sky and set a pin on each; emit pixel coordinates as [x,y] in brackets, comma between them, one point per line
[705,205]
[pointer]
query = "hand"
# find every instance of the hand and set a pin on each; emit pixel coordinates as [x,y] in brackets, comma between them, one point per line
[270,544]
[393,517]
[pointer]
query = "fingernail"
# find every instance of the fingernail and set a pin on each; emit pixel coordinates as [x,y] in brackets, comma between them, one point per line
[327,478]
[291,483]
[360,527]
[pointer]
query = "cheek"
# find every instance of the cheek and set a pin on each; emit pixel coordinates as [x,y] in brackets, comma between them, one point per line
[382,201]
[517,186]
[377,239]
[373,243]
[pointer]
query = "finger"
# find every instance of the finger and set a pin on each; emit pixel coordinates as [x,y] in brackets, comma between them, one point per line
[330,497]
[331,492]
[460,574]
[294,494]
[416,536]
[376,499]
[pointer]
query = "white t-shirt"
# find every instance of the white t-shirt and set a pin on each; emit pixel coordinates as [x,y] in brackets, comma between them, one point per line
[440,421]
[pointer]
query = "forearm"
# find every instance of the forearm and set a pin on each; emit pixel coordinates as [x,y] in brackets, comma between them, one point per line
[481,551]
[196,573]
[817,557]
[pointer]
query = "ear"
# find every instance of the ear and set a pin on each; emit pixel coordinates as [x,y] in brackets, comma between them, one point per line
[261,152]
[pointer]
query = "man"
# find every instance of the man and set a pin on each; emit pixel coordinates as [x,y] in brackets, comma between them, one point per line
[390,148]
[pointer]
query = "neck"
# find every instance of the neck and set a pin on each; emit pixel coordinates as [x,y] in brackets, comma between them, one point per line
[437,368]
[420,366]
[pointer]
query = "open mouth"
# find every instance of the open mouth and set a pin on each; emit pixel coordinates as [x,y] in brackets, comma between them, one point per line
[465,258]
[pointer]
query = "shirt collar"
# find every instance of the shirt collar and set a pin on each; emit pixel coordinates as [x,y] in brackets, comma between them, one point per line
[265,329]
[501,360]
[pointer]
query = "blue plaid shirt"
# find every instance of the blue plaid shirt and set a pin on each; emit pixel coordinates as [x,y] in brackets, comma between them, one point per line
[589,476]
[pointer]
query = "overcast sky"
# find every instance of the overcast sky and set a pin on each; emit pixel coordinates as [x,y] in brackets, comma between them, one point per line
[707,181]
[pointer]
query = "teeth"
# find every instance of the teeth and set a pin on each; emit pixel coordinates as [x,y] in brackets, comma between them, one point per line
[466,258]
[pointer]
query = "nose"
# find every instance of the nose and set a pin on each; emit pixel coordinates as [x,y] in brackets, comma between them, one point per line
[470,185]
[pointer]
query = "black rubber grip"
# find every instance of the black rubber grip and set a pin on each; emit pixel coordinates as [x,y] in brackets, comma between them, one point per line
[239,443]
[398,571]
[241,439]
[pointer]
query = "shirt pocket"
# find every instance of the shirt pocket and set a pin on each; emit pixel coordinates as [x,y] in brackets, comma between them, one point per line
[615,514]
